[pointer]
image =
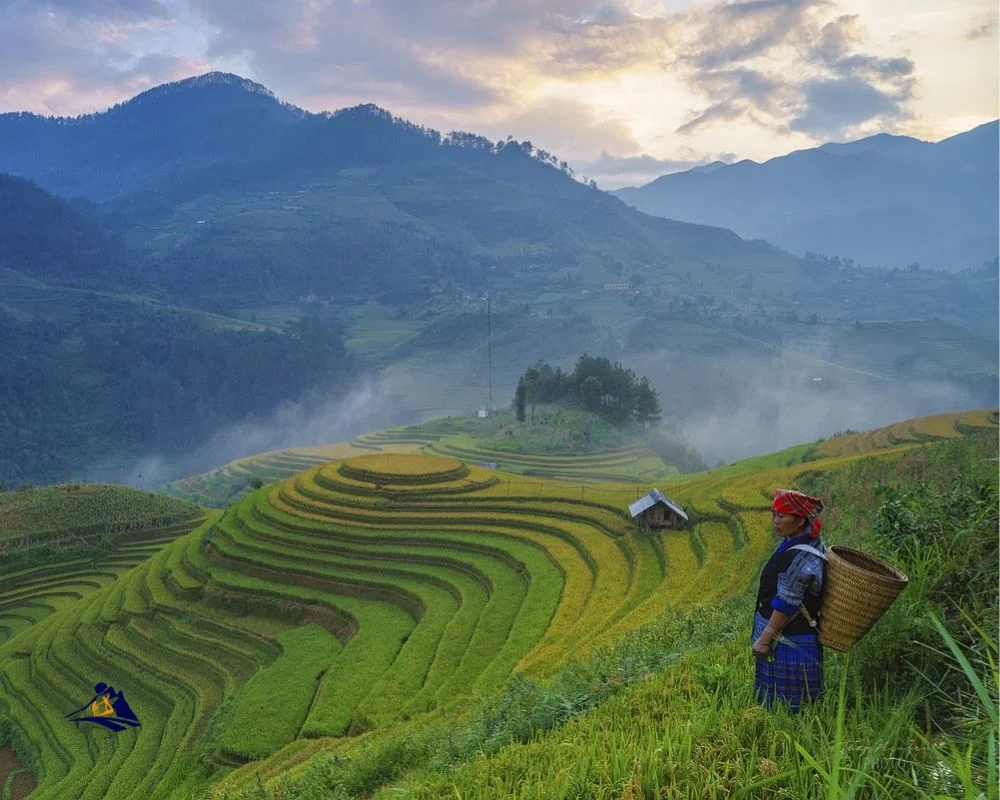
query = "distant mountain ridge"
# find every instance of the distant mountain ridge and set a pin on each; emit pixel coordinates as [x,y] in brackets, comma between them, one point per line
[156,136]
[883,201]
[232,198]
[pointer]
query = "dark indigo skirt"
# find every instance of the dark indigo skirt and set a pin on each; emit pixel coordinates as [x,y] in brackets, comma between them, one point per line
[794,675]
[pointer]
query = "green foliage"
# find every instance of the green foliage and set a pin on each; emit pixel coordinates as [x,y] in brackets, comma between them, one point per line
[520,398]
[105,388]
[270,709]
[610,390]
[47,238]
[79,509]
[933,513]
[670,445]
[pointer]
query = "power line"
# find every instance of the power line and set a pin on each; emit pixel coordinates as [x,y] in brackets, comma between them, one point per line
[489,353]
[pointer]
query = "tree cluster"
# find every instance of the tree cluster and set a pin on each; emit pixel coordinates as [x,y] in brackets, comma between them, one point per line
[117,382]
[596,384]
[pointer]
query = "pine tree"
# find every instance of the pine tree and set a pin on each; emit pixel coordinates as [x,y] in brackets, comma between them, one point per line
[519,400]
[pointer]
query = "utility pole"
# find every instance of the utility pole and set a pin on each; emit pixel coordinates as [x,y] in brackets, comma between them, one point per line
[489,353]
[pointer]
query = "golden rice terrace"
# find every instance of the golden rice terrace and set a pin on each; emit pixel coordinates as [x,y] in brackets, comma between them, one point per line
[357,593]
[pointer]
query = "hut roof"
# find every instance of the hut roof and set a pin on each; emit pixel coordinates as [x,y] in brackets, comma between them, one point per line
[651,499]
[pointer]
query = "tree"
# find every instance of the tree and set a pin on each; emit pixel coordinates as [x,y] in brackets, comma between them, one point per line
[519,395]
[647,404]
[590,392]
[532,379]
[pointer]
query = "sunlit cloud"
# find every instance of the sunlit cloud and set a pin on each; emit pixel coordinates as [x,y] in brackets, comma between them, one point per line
[640,79]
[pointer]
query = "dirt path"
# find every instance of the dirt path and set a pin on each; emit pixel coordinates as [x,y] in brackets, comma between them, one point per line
[24,784]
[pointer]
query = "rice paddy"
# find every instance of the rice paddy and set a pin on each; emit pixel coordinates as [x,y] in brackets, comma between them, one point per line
[357,592]
[911,431]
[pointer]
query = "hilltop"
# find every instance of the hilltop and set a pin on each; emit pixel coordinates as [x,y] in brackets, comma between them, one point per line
[427,622]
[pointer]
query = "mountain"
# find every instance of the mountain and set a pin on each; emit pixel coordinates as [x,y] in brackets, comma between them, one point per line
[230,198]
[883,200]
[228,201]
[156,136]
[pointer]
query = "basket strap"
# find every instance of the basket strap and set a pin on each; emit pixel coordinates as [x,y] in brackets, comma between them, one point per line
[809,549]
[802,608]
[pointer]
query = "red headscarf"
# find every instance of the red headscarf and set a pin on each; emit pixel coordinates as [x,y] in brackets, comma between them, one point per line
[788,501]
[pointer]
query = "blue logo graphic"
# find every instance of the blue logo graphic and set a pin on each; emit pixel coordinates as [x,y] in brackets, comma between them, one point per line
[108,708]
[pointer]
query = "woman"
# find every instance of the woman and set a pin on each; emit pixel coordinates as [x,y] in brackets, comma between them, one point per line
[789,659]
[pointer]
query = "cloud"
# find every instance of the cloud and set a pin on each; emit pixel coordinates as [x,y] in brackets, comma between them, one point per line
[64,58]
[982,26]
[833,105]
[735,33]
[779,66]
[564,124]
[613,172]
[827,86]
[107,9]
[315,420]
[737,93]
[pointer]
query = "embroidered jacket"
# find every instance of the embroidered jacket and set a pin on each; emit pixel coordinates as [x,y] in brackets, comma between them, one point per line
[791,578]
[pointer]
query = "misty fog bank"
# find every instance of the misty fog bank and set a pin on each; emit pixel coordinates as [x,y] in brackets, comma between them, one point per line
[313,420]
[726,409]
[772,414]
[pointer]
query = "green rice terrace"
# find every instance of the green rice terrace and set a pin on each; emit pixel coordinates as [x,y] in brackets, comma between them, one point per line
[564,443]
[362,598]
[59,544]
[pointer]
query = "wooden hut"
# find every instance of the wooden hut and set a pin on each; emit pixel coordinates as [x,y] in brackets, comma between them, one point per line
[656,510]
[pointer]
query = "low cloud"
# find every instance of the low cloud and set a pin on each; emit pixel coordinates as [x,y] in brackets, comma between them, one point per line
[613,172]
[982,26]
[734,408]
[313,421]
[782,67]
[771,418]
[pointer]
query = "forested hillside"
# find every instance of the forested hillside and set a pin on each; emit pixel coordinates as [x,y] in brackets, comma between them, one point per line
[114,380]
[211,202]
[45,238]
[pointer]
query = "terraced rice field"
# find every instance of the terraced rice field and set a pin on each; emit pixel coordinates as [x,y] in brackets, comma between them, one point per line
[356,593]
[218,488]
[633,464]
[911,431]
[373,588]
[31,594]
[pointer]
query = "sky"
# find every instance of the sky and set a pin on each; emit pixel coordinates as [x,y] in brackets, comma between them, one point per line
[624,90]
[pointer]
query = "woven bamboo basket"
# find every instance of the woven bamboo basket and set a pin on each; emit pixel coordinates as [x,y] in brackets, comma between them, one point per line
[859,590]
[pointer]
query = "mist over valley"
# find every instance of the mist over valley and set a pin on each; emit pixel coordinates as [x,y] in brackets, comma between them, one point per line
[249,276]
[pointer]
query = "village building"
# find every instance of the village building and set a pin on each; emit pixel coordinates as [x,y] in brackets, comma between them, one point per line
[656,510]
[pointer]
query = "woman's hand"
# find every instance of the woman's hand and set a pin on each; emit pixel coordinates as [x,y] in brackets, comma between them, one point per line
[761,649]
